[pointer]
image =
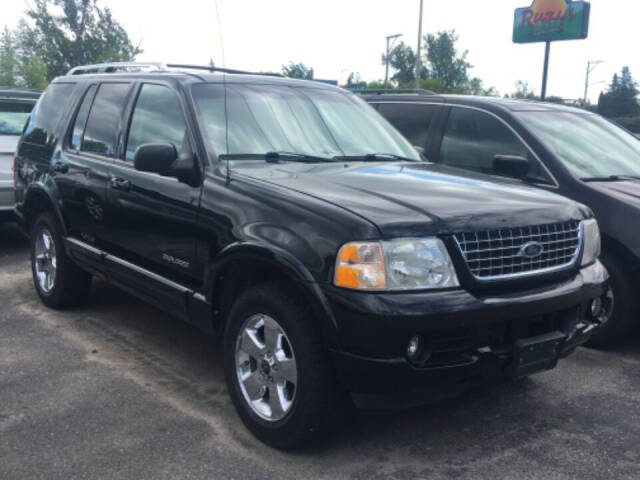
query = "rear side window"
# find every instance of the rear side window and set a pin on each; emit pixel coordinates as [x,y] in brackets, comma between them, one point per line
[157,118]
[472,139]
[412,120]
[47,113]
[101,133]
[81,118]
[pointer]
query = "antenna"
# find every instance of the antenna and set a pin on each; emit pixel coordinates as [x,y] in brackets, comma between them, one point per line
[224,85]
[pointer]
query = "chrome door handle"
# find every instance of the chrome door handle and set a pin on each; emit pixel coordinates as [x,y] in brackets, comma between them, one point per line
[120,184]
[60,167]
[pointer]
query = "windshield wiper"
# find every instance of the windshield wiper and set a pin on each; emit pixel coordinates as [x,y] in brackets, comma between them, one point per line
[376,157]
[275,157]
[611,178]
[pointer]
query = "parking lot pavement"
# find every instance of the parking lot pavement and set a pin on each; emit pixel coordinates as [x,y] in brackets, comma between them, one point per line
[119,390]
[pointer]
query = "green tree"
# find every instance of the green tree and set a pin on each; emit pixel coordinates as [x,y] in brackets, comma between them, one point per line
[621,98]
[444,60]
[297,70]
[8,60]
[402,59]
[34,74]
[67,33]
[524,91]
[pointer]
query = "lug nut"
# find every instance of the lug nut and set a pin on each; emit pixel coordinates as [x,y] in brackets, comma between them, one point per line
[263,391]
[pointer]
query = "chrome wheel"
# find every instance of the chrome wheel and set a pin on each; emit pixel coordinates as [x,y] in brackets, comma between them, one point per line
[602,308]
[45,260]
[266,367]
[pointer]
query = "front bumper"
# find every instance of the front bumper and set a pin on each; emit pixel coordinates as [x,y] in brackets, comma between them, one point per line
[468,339]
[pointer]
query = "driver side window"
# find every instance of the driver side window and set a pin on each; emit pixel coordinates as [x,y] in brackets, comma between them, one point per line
[157,118]
[473,138]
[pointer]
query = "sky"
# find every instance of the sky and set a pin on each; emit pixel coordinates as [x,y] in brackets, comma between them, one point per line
[336,37]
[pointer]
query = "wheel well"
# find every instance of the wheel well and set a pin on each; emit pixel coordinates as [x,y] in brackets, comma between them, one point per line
[239,275]
[36,204]
[620,252]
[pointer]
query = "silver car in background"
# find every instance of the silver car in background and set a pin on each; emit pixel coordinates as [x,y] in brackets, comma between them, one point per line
[15,107]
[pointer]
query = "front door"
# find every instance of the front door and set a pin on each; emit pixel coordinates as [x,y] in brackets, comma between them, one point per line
[152,219]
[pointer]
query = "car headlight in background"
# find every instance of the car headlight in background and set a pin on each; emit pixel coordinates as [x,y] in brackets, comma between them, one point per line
[592,241]
[404,264]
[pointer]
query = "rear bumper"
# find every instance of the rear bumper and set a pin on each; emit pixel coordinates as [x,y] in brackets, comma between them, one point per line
[468,339]
[7,200]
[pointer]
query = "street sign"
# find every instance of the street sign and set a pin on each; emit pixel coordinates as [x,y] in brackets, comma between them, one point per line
[357,87]
[551,21]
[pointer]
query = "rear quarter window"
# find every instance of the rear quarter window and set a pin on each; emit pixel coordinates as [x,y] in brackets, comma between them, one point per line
[47,113]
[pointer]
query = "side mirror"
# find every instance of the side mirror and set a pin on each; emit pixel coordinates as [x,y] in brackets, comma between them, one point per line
[511,166]
[162,158]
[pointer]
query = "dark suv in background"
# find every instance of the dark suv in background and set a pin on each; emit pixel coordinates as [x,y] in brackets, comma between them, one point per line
[556,148]
[293,221]
[15,107]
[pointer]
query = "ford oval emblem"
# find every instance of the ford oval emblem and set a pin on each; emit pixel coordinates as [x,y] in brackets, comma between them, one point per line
[531,250]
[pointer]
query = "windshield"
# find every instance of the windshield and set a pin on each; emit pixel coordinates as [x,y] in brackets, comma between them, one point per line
[300,120]
[589,145]
[13,117]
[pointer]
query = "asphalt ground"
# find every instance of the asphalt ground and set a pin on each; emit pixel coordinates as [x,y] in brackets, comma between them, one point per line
[118,389]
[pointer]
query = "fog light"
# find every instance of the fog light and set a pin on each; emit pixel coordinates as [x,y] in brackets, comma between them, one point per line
[414,347]
[596,307]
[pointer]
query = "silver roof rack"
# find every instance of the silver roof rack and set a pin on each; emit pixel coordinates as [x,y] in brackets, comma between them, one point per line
[116,67]
[119,67]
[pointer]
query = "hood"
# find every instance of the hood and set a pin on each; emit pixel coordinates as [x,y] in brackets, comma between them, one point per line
[627,191]
[411,199]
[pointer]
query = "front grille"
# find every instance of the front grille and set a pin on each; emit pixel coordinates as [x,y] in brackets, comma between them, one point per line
[502,254]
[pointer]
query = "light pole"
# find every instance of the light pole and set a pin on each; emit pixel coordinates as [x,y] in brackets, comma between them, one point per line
[418,56]
[591,66]
[389,47]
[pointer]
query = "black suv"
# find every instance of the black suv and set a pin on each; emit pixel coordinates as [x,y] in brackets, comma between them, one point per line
[292,220]
[560,149]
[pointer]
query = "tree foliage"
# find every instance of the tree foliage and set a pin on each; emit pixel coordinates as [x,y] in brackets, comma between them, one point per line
[297,70]
[444,69]
[621,98]
[8,60]
[68,33]
[402,59]
[444,60]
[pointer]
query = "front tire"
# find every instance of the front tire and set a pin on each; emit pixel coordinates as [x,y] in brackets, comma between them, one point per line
[618,306]
[59,282]
[277,368]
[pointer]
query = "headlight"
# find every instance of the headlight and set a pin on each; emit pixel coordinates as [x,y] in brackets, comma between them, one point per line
[591,233]
[406,264]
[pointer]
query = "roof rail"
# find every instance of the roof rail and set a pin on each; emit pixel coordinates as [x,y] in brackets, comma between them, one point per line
[117,67]
[383,91]
[211,68]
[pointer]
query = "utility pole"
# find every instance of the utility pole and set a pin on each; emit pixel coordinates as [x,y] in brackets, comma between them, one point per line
[591,66]
[389,47]
[419,50]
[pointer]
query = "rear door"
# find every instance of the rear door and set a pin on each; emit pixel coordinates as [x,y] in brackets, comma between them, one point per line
[413,120]
[82,172]
[152,220]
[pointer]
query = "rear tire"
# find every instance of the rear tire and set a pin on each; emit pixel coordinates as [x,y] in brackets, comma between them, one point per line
[59,282]
[312,402]
[623,318]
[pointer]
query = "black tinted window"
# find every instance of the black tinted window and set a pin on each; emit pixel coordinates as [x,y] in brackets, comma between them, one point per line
[101,133]
[81,118]
[413,120]
[47,113]
[472,139]
[157,118]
